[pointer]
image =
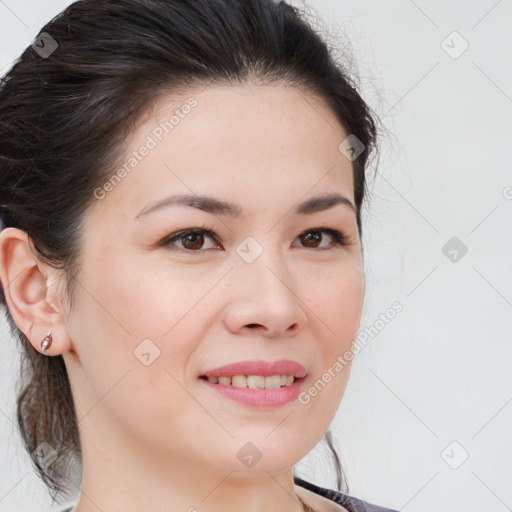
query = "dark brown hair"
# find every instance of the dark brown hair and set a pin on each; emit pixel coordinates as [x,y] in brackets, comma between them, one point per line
[65,116]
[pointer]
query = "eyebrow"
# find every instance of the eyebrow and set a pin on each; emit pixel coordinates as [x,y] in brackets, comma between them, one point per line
[217,207]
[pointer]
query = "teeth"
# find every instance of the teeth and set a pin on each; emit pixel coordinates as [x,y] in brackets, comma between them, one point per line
[239,381]
[254,381]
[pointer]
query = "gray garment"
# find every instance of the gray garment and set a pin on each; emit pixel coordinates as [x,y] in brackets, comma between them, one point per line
[349,502]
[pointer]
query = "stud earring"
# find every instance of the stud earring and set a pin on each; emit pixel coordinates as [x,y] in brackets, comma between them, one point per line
[46,342]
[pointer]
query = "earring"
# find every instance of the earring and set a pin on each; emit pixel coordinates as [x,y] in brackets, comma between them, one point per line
[46,342]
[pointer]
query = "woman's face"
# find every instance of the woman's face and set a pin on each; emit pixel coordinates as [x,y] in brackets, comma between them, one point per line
[153,313]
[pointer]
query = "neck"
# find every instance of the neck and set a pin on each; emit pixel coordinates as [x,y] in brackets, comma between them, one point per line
[119,474]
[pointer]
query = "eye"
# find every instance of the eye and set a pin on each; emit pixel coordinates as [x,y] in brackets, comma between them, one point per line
[193,239]
[312,237]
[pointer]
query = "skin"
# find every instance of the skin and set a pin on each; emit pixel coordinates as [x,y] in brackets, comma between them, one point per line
[155,437]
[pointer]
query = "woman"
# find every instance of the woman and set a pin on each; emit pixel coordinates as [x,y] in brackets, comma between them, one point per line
[181,260]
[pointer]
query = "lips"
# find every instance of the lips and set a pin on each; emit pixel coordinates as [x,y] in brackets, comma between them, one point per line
[258,367]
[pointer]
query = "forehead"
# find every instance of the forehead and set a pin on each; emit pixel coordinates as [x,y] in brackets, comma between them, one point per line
[238,141]
[261,118]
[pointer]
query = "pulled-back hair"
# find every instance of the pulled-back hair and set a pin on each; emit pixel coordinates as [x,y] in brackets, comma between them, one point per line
[65,116]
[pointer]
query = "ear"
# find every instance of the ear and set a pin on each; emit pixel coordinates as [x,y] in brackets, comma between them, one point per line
[30,294]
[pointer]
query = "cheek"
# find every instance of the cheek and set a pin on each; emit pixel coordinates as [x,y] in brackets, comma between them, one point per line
[335,305]
[158,296]
[118,325]
[128,367]
[335,313]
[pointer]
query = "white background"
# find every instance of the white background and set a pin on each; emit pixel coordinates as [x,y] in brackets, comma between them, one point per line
[441,370]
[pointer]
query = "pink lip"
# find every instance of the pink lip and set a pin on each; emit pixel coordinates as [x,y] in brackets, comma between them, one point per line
[259,398]
[258,367]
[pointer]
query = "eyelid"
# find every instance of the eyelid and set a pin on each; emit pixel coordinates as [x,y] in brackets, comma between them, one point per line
[203,230]
[339,237]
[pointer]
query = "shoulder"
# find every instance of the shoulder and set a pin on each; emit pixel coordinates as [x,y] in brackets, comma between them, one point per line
[348,503]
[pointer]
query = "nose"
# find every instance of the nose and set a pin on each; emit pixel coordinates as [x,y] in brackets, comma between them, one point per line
[265,300]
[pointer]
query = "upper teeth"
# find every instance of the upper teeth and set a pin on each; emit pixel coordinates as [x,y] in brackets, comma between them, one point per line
[254,381]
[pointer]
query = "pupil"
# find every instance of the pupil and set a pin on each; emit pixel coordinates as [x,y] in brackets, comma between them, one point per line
[313,236]
[198,242]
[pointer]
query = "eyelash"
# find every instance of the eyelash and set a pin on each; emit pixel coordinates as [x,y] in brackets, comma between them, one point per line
[339,238]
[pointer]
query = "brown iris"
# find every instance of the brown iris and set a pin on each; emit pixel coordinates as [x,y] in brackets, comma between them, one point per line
[311,237]
[197,241]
